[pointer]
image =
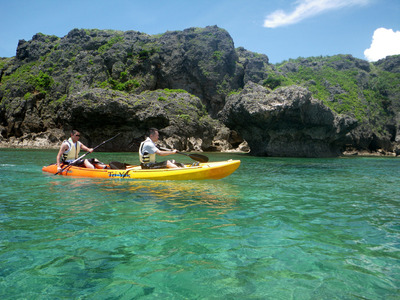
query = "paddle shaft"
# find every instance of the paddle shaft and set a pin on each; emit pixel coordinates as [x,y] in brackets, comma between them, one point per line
[197,157]
[82,156]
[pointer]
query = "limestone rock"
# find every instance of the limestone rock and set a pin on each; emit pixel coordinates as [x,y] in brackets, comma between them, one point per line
[286,122]
[107,81]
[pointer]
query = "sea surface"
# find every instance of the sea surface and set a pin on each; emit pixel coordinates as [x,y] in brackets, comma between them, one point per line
[277,228]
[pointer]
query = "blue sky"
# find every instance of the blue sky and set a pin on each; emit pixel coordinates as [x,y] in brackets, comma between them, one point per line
[281,29]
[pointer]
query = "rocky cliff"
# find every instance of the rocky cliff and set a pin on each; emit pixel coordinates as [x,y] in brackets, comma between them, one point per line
[286,122]
[368,92]
[201,92]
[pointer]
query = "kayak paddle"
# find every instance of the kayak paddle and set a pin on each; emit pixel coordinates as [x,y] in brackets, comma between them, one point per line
[194,156]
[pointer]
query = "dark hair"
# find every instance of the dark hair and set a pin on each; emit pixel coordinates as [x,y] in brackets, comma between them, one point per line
[74,131]
[152,131]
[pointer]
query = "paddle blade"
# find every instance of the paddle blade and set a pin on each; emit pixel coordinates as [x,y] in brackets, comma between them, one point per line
[199,157]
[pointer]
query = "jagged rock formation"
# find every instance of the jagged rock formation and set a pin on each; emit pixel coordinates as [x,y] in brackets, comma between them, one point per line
[286,122]
[180,115]
[103,81]
[369,92]
[390,64]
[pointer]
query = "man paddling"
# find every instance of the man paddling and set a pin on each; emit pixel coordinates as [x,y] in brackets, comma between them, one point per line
[69,152]
[148,151]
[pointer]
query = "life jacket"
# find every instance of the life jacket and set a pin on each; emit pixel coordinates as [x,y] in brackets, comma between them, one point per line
[146,157]
[73,150]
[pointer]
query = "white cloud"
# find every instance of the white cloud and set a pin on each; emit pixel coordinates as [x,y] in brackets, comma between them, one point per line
[306,9]
[384,42]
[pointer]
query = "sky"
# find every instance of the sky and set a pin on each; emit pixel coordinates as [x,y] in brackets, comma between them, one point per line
[280,29]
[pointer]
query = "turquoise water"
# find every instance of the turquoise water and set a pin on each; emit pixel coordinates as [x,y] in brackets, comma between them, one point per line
[275,229]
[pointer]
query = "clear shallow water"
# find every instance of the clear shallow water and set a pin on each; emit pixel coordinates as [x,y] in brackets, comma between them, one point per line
[275,229]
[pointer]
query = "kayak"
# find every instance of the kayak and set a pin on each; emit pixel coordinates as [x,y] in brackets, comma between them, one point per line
[209,170]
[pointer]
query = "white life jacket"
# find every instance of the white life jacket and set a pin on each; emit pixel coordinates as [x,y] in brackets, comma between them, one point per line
[73,150]
[146,157]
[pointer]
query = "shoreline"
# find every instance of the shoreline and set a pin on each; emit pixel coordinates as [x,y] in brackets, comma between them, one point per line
[47,146]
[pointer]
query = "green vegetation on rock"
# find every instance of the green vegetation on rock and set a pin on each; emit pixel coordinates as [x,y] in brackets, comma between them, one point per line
[345,84]
[180,76]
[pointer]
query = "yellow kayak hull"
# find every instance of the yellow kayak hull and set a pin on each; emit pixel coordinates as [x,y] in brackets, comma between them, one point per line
[209,170]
